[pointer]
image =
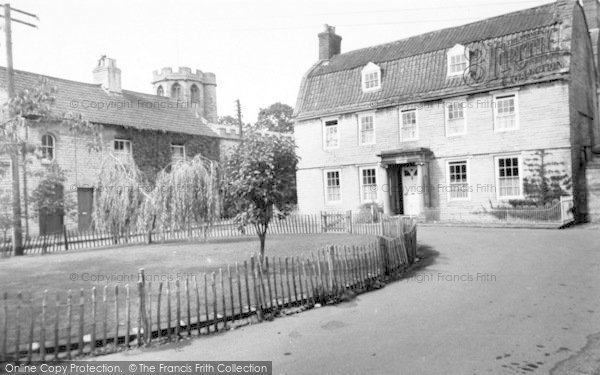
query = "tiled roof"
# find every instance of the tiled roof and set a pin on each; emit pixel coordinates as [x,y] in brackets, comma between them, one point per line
[127,109]
[412,69]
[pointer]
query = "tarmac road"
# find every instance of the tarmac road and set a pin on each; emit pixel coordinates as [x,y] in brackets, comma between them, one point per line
[497,301]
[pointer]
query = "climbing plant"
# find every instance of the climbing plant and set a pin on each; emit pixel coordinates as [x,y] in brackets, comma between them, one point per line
[546,180]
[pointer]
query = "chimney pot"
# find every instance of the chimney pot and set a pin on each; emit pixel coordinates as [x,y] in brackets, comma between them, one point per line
[107,74]
[330,43]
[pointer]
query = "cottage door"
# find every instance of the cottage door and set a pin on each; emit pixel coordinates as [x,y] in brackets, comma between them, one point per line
[411,192]
[85,199]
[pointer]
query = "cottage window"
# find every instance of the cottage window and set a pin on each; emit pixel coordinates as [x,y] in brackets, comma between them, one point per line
[505,112]
[122,146]
[409,125]
[457,60]
[177,153]
[455,118]
[368,184]
[48,144]
[509,177]
[366,129]
[458,180]
[371,78]
[333,191]
[332,135]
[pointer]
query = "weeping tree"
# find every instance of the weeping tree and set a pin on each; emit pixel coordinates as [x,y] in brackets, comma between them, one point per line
[186,194]
[118,197]
[260,181]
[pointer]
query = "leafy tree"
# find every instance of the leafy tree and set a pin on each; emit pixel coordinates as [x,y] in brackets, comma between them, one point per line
[118,197]
[259,181]
[277,117]
[186,194]
[48,196]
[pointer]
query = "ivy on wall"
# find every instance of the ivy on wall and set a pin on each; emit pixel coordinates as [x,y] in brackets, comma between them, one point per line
[546,180]
[152,149]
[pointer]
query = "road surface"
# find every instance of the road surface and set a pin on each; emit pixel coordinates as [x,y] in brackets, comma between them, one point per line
[497,301]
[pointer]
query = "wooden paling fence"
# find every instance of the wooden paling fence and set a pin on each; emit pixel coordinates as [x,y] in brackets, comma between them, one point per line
[325,222]
[64,325]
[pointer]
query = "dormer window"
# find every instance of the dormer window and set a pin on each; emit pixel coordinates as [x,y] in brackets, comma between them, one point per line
[371,78]
[458,61]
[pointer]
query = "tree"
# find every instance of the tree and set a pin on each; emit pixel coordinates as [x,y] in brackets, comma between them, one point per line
[186,194]
[259,181]
[48,197]
[118,197]
[33,107]
[277,118]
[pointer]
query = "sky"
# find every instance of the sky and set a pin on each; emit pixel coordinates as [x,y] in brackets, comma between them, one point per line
[258,49]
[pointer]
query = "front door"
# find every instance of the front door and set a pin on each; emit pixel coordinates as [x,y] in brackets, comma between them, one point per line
[411,192]
[85,200]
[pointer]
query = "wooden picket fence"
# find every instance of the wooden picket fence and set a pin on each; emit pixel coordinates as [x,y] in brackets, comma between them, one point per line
[103,320]
[325,222]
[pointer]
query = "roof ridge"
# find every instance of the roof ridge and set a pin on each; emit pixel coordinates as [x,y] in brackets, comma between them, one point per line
[25,72]
[433,32]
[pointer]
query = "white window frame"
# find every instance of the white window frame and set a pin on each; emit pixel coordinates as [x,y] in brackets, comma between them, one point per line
[369,69]
[457,50]
[176,146]
[325,121]
[359,118]
[339,171]
[495,109]
[403,110]
[447,112]
[361,185]
[448,182]
[497,176]
[125,151]
[53,147]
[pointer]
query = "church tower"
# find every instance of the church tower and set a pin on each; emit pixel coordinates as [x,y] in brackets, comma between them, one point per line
[197,89]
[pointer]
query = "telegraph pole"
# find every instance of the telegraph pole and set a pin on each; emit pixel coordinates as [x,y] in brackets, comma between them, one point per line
[239,116]
[17,233]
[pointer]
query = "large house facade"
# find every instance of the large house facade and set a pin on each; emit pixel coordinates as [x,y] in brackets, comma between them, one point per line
[493,113]
[151,130]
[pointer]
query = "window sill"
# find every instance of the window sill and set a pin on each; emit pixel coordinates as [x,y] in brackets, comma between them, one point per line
[505,130]
[46,161]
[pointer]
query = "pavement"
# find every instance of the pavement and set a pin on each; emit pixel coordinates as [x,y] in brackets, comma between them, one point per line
[490,301]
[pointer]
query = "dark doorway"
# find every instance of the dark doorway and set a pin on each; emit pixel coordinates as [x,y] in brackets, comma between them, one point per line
[395,183]
[51,218]
[85,203]
[51,222]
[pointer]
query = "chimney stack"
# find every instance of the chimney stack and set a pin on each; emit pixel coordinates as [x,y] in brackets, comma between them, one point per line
[107,74]
[330,43]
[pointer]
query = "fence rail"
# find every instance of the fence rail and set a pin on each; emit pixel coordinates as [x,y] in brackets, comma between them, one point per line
[344,222]
[102,320]
[558,214]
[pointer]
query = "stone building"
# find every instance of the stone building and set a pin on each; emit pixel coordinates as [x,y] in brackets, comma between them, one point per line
[152,130]
[454,122]
[199,90]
